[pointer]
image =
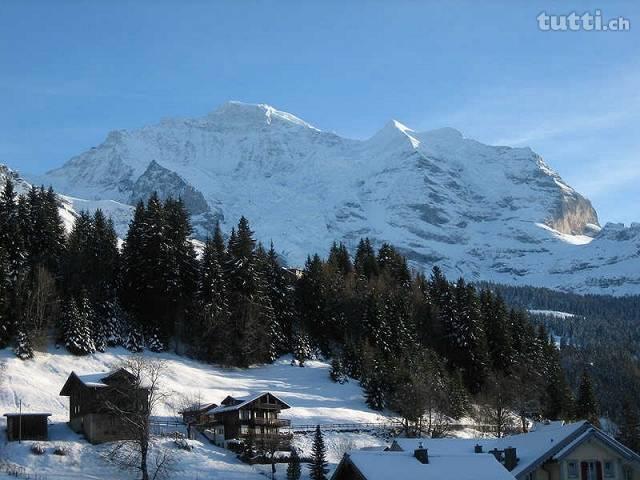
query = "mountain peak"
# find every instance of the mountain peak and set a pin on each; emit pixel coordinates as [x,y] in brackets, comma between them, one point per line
[234,111]
[394,130]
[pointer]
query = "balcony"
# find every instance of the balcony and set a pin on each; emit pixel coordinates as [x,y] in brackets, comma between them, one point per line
[281,437]
[269,422]
[266,406]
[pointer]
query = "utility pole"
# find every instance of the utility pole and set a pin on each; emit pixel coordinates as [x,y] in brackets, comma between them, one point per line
[20,422]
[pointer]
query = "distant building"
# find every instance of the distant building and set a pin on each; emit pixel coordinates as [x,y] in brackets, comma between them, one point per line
[196,414]
[27,426]
[94,401]
[255,417]
[555,451]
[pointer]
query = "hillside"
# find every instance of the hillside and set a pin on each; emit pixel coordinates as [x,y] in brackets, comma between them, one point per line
[314,399]
[485,212]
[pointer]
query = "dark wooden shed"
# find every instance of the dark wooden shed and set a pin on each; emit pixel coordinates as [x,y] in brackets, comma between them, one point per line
[27,426]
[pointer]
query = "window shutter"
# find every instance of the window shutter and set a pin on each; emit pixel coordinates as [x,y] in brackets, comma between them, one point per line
[599,470]
[584,467]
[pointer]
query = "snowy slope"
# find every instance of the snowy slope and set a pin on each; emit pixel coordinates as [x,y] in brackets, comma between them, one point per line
[485,212]
[313,397]
[70,206]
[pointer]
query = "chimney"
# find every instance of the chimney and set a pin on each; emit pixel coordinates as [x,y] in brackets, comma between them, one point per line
[422,454]
[478,448]
[497,453]
[510,458]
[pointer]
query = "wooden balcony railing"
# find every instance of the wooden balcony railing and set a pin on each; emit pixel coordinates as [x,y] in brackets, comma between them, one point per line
[270,422]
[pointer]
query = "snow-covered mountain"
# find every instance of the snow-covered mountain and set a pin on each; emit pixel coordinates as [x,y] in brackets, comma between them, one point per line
[484,212]
[69,207]
[65,207]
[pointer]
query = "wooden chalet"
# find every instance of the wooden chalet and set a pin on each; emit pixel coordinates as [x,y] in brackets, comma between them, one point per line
[96,403]
[255,417]
[196,414]
[27,426]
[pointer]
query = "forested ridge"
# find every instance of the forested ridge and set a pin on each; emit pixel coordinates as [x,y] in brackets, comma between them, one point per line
[602,335]
[425,347]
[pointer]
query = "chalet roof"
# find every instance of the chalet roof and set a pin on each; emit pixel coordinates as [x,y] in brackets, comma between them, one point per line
[533,448]
[608,441]
[91,380]
[380,465]
[198,408]
[243,402]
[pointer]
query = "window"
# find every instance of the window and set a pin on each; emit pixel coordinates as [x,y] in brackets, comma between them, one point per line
[572,469]
[609,469]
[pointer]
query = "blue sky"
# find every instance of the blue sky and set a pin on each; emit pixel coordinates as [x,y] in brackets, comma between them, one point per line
[70,71]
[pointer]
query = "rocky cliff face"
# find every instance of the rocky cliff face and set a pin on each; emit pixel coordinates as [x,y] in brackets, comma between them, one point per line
[485,212]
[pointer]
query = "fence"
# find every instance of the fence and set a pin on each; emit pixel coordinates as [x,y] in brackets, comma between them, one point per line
[17,471]
[345,427]
[168,427]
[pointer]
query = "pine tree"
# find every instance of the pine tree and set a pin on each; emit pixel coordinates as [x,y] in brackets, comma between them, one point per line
[301,347]
[365,263]
[77,263]
[5,322]
[630,426]
[311,302]
[11,235]
[105,264]
[318,466]
[135,339]
[467,342]
[339,258]
[213,291]
[42,228]
[23,349]
[279,291]
[116,325]
[154,343]
[78,335]
[293,469]
[337,372]
[251,312]
[495,320]
[133,285]
[180,268]
[586,403]
[394,265]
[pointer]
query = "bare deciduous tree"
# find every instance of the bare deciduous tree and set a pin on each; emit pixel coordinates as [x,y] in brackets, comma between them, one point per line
[39,305]
[135,406]
[496,403]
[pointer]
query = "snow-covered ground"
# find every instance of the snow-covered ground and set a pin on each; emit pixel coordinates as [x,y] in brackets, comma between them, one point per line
[552,313]
[313,396]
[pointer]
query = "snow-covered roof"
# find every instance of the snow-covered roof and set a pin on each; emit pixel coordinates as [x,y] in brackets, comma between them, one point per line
[95,379]
[385,465]
[607,440]
[244,401]
[91,380]
[532,448]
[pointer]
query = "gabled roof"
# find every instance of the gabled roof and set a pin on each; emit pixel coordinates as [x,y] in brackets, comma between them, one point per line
[595,433]
[228,405]
[198,408]
[381,465]
[92,380]
[533,448]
